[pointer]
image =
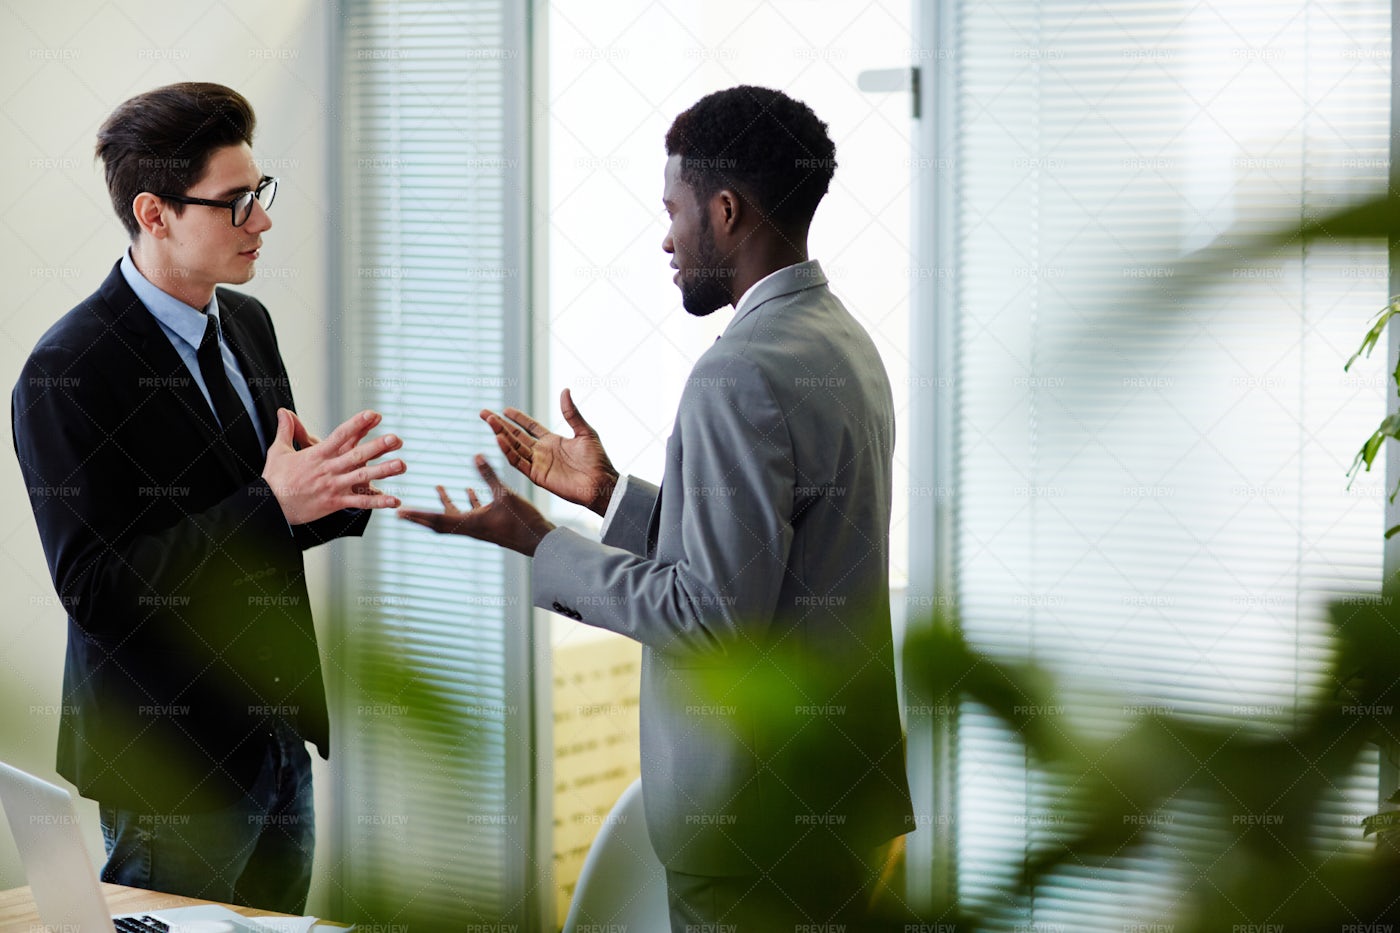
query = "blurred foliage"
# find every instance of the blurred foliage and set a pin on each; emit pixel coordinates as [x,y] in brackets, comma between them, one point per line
[1248,876]
[1266,866]
[1268,857]
[435,731]
[1373,218]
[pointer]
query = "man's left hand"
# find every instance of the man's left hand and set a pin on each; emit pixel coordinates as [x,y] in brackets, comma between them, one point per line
[508,519]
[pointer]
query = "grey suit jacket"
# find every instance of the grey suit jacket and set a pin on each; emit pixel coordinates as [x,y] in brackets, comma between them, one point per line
[756,578]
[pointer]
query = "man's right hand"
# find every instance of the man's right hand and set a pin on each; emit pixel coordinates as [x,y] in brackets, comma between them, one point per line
[328,475]
[573,468]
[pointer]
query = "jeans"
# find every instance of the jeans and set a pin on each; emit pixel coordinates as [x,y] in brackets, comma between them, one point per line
[256,852]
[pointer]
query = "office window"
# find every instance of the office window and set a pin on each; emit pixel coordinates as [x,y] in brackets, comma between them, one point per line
[619,73]
[1152,497]
[435,792]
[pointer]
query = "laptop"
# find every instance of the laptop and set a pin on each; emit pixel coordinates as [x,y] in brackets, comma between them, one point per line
[63,880]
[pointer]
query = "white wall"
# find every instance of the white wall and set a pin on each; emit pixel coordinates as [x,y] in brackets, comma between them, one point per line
[63,68]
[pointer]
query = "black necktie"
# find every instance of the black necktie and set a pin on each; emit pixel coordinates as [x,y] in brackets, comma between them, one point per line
[237,426]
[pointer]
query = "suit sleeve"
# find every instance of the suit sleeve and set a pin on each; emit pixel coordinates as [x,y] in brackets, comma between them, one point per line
[346,522]
[729,552]
[632,521]
[103,572]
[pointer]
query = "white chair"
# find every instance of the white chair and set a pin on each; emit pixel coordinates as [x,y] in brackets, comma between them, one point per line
[622,885]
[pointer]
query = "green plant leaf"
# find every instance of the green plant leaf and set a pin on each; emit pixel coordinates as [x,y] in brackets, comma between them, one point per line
[1381,823]
[1373,336]
[1389,427]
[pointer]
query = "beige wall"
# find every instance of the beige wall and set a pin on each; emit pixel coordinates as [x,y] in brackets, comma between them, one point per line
[63,67]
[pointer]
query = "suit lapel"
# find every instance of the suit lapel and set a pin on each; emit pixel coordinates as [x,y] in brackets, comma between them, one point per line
[163,366]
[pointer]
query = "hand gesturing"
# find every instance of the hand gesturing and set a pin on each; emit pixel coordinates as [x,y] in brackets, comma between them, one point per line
[508,519]
[573,468]
[324,476]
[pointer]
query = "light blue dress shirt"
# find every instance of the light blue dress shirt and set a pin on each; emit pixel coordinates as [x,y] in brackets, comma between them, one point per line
[184,326]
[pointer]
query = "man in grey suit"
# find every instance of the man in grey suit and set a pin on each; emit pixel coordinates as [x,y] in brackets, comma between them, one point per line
[756,574]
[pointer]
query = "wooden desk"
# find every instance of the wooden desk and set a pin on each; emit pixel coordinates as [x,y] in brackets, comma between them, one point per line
[18,914]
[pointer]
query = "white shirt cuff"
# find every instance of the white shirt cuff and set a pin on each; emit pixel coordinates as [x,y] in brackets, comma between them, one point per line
[618,492]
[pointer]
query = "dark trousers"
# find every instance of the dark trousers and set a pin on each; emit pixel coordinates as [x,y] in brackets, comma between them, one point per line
[829,892]
[255,852]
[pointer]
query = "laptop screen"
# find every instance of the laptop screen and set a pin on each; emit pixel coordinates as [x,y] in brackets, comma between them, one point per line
[56,863]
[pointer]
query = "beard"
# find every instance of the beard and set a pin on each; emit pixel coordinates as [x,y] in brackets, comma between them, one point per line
[705,289]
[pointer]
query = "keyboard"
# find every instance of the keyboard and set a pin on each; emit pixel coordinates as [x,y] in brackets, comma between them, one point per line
[142,924]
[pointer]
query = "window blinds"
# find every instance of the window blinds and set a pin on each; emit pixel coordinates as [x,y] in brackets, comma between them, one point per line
[434,717]
[1152,499]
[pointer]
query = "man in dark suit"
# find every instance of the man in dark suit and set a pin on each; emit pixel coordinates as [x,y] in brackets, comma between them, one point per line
[756,576]
[174,489]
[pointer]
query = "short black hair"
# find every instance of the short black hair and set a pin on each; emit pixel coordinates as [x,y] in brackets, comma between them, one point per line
[770,148]
[160,141]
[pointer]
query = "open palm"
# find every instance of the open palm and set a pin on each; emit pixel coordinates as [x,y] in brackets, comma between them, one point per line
[573,468]
[508,519]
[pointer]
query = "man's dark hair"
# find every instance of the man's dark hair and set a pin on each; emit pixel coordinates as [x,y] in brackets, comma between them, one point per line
[771,149]
[160,141]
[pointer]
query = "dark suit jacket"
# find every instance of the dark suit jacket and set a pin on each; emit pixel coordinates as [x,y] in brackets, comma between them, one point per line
[189,626]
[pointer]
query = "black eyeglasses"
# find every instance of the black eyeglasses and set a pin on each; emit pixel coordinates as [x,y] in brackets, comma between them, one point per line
[241,207]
